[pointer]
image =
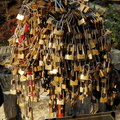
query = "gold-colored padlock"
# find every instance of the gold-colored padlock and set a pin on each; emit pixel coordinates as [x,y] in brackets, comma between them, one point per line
[85,76]
[81,56]
[69,56]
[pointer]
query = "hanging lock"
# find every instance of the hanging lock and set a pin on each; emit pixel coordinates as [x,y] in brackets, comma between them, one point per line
[108,69]
[60,99]
[101,69]
[20,55]
[89,53]
[69,56]
[50,20]
[103,99]
[92,44]
[21,14]
[81,22]
[77,67]
[81,56]
[74,83]
[48,65]
[54,70]
[85,76]
[58,32]
[81,8]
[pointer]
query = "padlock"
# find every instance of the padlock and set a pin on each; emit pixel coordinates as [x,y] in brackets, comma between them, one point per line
[58,32]
[89,53]
[81,22]
[101,68]
[81,8]
[104,99]
[77,66]
[81,56]
[69,56]
[74,83]
[92,44]
[85,76]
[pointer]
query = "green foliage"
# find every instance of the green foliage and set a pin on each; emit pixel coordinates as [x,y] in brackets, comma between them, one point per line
[112,22]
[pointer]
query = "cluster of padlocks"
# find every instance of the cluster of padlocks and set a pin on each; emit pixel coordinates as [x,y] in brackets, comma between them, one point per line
[63,47]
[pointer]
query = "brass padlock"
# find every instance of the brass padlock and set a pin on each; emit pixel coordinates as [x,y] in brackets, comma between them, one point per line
[58,32]
[92,44]
[104,99]
[82,21]
[48,66]
[20,55]
[101,73]
[108,69]
[80,97]
[101,69]
[86,9]
[69,56]
[81,8]
[73,83]
[85,76]
[54,70]
[50,20]
[89,53]
[95,52]
[77,66]
[81,56]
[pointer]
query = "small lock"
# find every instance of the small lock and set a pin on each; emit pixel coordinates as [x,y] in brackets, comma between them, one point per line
[58,32]
[85,76]
[104,99]
[20,55]
[97,86]
[89,53]
[81,56]
[92,44]
[82,6]
[23,78]
[73,83]
[69,56]
[95,52]
[101,73]
[50,20]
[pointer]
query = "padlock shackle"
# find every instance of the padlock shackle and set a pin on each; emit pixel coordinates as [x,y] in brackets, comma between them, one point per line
[99,63]
[68,48]
[83,51]
[88,70]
